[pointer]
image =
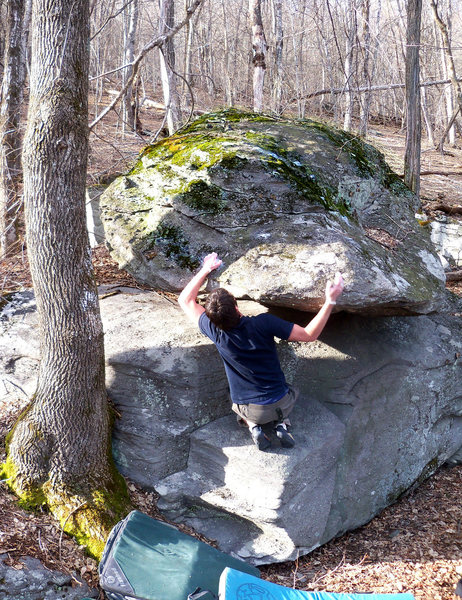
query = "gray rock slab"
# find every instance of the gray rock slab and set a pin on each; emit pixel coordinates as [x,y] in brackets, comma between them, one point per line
[280,498]
[19,347]
[285,204]
[394,383]
[164,379]
[35,582]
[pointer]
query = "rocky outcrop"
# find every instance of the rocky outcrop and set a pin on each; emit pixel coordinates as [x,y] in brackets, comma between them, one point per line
[31,580]
[380,409]
[286,204]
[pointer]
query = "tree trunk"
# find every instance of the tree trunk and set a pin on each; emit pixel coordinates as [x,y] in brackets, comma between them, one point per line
[413,129]
[365,101]
[448,51]
[14,74]
[130,23]
[227,57]
[259,48]
[278,46]
[348,67]
[167,67]
[187,50]
[448,90]
[59,452]
[296,44]
[426,116]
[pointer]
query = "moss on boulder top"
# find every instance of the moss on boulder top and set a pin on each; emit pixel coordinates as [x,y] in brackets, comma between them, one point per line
[285,204]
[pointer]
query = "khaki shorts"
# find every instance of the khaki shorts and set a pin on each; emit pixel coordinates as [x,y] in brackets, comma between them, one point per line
[265,413]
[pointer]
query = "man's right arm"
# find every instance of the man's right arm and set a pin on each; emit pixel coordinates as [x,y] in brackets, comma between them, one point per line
[313,330]
[188,297]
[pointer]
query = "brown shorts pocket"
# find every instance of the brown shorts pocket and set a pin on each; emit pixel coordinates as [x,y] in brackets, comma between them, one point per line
[265,413]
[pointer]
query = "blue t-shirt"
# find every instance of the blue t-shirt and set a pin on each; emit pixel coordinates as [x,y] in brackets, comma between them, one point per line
[250,358]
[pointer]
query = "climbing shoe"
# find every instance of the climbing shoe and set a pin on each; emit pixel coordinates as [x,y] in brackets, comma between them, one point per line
[287,441]
[262,442]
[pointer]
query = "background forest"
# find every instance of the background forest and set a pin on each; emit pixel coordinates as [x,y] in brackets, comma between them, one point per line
[154,65]
[337,59]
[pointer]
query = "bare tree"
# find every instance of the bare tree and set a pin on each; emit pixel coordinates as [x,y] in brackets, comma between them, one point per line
[413,120]
[259,48]
[130,24]
[365,102]
[14,75]
[59,450]
[445,41]
[167,66]
[153,43]
[229,95]
[450,59]
[349,66]
[278,33]
[189,34]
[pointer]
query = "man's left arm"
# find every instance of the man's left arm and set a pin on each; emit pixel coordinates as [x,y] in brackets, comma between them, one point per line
[188,297]
[314,328]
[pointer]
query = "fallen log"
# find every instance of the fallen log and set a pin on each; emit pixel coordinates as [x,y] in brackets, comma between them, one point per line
[454,276]
[446,208]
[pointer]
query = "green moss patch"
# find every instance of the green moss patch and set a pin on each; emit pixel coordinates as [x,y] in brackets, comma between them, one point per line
[203,197]
[171,240]
[225,140]
[291,166]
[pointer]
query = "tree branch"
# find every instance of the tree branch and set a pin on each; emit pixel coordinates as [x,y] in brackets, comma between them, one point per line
[372,88]
[155,43]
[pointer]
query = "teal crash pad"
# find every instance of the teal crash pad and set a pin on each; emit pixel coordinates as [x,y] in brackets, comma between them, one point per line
[151,560]
[235,585]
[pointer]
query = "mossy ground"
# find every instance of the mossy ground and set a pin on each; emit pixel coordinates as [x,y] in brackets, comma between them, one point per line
[86,514]
[86,509]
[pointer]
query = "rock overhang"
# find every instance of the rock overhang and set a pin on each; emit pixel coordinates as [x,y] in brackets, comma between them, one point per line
[264,192]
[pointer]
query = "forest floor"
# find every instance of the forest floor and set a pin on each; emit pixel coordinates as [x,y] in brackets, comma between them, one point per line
[414,546]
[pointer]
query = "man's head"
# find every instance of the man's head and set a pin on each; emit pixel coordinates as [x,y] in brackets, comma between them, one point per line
[221,309]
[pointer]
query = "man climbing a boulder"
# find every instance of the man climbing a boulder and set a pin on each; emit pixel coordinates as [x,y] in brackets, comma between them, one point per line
[259,392]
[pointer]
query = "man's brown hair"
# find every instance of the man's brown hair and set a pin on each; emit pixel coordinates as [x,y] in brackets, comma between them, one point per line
[221,309]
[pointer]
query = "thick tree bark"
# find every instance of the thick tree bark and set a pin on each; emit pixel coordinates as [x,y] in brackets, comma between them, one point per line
[259,49]
[59,452]
[14,74]
[413,129]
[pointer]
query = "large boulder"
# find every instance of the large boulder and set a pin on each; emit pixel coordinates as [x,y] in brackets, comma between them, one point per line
[380,409]
[286,204]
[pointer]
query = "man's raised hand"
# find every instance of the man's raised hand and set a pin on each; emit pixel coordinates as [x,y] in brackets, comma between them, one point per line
[211,262]
[333,290]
